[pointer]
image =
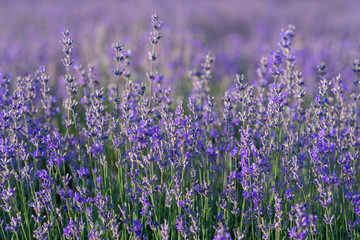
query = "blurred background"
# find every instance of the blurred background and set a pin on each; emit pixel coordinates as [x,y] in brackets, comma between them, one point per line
[238,34]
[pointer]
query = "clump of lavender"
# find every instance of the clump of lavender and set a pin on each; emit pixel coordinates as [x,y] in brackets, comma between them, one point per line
[267,163]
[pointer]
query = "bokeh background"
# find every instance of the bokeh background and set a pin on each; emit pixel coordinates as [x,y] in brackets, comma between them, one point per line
[238,34]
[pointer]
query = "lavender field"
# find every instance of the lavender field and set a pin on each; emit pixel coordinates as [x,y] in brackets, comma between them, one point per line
[179,119]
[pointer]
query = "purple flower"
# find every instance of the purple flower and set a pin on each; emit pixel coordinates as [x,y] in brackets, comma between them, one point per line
[99,180]
[137,227]
[71,231]
[83,172]
[222,234]
[289,194]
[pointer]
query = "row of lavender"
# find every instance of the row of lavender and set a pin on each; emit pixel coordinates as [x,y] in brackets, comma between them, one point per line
[130,162]
[233,30]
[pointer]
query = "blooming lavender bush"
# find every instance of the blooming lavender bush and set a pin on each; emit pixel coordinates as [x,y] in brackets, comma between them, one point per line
[130,161]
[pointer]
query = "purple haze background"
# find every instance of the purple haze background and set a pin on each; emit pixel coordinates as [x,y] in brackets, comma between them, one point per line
[238,34]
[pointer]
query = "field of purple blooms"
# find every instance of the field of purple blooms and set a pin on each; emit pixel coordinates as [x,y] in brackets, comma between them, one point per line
[165,146]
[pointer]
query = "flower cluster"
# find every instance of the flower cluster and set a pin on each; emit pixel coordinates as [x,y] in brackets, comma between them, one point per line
[127,161]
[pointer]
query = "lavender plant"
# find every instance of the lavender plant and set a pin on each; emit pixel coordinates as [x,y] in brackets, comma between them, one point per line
[127,161]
